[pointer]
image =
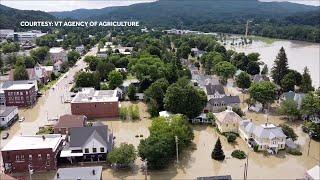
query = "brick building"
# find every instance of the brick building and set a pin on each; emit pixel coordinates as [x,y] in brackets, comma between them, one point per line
[96,104]
[38,152]
[20,95]
[68,121]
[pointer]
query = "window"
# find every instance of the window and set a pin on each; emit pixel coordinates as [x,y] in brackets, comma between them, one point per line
[48,163]
[30,157]
[101,149]
[17,158]
[39,156]
[48,156]
[94,150]
[86,150]
[22,157]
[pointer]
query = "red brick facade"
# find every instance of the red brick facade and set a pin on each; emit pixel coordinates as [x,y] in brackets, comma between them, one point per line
[21,98]
[37,159]
[96,109]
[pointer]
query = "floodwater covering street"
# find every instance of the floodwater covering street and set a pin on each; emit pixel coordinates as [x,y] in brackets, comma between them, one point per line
[300,54]
[50,106]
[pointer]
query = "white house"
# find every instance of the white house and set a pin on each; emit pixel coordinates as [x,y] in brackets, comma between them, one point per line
[265,136]
[8,114]
[80,49]
[58,54]
[214,91]
[57,66]
[228,121]
[102,53]
[91,142]
[313,173]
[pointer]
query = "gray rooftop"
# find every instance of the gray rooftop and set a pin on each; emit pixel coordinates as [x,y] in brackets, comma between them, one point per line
[6,110]
[79,173]
[80,135]
[269,131]
[213,88]
[225,100]
[8,84]
[92,95]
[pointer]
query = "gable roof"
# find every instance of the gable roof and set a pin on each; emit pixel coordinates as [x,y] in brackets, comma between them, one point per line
[228,116]
[69,121]
[80,135]
[212,89]
[269,131]
[225,99]
[258,78]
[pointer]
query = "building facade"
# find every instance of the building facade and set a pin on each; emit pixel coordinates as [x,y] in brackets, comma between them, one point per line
[8,114]
[21,95]
[95,104]
[37,153]
[58,54]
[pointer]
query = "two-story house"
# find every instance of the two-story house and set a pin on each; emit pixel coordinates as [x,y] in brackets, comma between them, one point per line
[228,121]
[265,136]
[92,143]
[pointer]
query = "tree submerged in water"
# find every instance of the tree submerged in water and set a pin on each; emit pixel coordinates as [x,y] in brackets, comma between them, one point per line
[217,153]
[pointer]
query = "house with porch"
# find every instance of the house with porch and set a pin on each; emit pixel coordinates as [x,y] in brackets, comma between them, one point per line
[90,143]
[228,121]
[265,136]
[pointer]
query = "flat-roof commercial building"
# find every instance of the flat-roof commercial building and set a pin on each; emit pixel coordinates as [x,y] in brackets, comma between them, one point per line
[8,114]
[96,104]
[87,173]
[38,153]
[21,95]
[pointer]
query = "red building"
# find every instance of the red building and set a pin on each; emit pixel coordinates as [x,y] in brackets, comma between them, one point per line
[21,95]
[68,121]
[38,153]
[96,104]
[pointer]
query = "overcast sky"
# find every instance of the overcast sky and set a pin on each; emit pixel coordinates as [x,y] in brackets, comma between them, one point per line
[64,5]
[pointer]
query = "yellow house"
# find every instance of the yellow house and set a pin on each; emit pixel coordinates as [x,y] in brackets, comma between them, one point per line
[228,121]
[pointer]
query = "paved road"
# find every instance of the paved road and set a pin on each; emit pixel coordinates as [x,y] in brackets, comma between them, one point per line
[50,106]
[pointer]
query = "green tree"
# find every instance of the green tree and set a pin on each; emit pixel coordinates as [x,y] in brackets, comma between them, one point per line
[154,96]
[217,153]
[289,132]
[311,105]
[265,70]
[280,68]
[253,57]
[183,51]
[104,68]
[225,70]
[253,68]
[115,79]
[122,156]
[86,79]
[183,98]
[10,47]
[132,90]
[39,54]
[243,80]
[306,82]
[73,56]
[290,109]
[288,82]
[20,72]
[263,92]
[29,62]
[296,76]
[159,148]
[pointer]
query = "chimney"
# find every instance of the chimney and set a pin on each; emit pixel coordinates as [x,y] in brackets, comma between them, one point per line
[93,172]
[43,137]
[58,175]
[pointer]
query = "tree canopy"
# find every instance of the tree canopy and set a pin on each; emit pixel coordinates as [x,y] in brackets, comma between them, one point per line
[263,92]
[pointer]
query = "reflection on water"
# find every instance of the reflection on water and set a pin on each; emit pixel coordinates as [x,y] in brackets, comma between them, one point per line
[300,54]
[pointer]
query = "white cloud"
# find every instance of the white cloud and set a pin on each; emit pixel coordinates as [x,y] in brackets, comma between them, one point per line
[64,5]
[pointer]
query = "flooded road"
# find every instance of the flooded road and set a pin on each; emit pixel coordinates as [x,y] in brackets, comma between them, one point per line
[50,106]
[300,54]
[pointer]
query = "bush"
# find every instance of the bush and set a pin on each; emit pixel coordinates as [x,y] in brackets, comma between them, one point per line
[256,148]
[231,137]
[133,112]
[238,154]
[294,152]
[238,111]
[123,113]
[289,132]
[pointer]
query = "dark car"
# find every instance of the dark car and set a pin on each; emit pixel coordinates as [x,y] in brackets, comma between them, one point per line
[5,135]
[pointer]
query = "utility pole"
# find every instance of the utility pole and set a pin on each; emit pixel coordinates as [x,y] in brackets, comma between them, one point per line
[146,169]
[309,143]
[246,165]
[247,28]
[177,149]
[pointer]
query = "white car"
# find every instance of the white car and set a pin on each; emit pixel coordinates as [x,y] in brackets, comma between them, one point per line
[21,119]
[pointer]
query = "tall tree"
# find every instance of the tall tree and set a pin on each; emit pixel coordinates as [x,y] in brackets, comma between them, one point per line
[265,70]
[288,82]
[306,82]
[263,92]
[115,79]
[290,109]
[280,68]
[20,72]
[217,153]
[243,80]
[225,70]
[123,155]
[253,68]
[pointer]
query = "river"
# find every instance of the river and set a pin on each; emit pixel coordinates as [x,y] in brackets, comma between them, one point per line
[299,54]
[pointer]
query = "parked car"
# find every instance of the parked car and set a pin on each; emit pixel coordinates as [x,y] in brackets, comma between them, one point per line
[21,119]
[5,135]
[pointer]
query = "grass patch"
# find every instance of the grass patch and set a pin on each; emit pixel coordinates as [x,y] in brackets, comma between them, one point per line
[45,130]
[294,152]
[263,39]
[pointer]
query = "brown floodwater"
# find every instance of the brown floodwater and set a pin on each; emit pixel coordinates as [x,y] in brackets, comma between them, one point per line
[300,54]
